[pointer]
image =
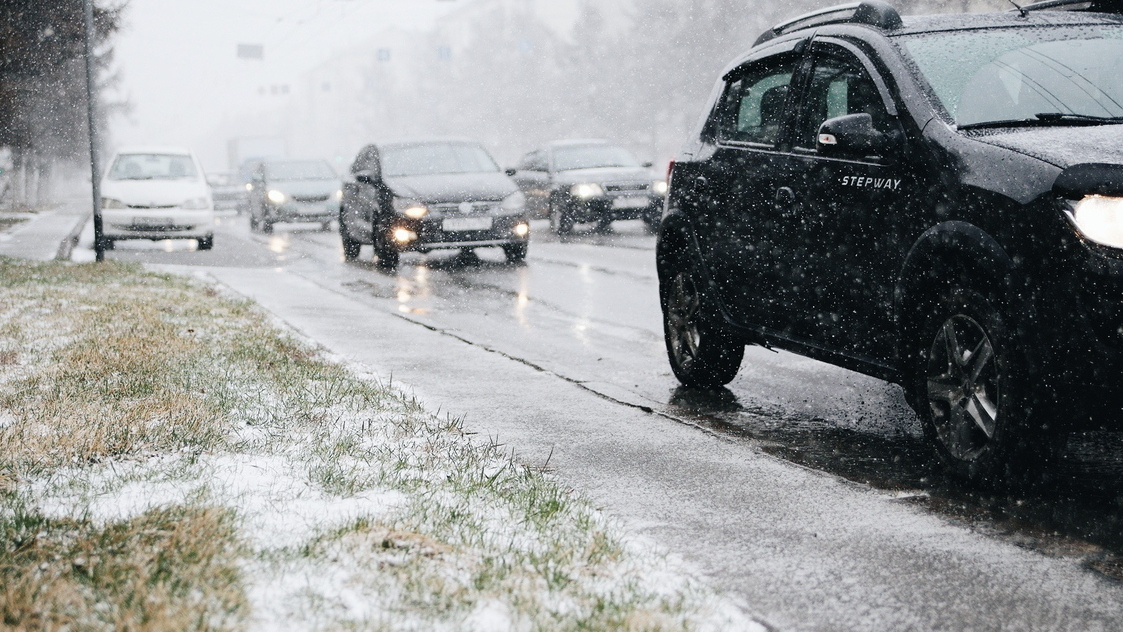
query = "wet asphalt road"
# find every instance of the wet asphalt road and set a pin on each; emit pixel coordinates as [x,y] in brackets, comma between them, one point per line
[584,312]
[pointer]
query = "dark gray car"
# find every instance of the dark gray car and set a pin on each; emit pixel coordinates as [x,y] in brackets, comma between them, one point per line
[575,181]
[429,195]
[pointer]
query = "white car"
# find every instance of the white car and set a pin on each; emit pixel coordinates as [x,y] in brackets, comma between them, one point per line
[156,193]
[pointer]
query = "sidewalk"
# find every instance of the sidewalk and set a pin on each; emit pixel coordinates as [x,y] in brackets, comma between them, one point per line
[48,235]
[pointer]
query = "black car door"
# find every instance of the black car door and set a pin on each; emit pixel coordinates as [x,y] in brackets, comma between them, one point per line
[740,229]
[851,205]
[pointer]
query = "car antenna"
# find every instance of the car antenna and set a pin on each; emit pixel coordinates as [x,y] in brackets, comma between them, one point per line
[1025,14]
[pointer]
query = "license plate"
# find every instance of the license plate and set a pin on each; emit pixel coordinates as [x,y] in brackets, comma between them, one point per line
[455,224]
[630,202]
[150,222]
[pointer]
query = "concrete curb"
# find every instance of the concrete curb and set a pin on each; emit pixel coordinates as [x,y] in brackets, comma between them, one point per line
[66,246]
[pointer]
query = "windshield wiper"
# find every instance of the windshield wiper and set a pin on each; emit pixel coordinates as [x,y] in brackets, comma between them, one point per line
[1045,119]
[1050,117]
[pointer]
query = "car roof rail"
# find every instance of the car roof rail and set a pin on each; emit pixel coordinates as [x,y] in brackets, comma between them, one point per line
[870,12]
[1090,6]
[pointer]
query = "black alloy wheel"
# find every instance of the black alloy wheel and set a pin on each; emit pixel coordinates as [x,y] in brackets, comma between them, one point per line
[701,353]
[560,220]
[972,393]
[515,253]
[351,247]
[387,253]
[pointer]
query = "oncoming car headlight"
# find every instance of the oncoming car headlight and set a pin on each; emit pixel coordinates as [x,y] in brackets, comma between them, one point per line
[276,196]
[1100,219]
[586,190]
[195,204]
[659,187]
[410,208]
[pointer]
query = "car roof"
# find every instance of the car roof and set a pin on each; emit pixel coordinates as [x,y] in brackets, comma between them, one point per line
[154,149]
[880,16]
[576,142]
[426,140]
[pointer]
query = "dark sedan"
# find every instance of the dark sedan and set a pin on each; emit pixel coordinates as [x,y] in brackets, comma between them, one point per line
[575,181]
[429,195]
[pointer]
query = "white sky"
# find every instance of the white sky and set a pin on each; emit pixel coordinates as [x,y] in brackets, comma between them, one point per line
[179,71]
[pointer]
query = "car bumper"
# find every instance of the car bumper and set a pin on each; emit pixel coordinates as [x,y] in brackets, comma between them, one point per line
[1084,332]
[435,234]
[615,207]
[166,223]
[305,211]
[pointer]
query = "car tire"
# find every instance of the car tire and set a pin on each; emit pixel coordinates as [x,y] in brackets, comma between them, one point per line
[205,243]
[351,247]
[255,225]
[702,353]
[515,253]
[266,225]
[972,391]
[388,255]
[108,244]
[325,227]
[560,221]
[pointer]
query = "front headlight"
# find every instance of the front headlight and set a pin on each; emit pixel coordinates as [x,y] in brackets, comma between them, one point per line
[195,204]
[275,196]
[586,190]
[410,208]
[112,203]
[659,187]
[514,203]
[1100,218]
[339,195]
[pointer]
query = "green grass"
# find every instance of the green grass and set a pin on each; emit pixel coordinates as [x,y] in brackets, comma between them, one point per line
[170,460]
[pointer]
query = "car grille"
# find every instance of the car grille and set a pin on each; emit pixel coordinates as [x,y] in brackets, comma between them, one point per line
[469,208]
[627,186]
[153,205]
[311,198]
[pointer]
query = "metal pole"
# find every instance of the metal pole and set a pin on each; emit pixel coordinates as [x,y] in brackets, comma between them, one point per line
[91,110]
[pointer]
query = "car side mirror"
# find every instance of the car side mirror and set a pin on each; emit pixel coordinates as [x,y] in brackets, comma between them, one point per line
[648,164]
[852,135]
[368,176]
[511,172]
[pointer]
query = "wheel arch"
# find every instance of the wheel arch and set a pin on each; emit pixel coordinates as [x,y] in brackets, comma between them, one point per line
[949,254]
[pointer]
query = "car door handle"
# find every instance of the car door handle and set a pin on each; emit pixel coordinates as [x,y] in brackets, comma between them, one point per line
[784,199]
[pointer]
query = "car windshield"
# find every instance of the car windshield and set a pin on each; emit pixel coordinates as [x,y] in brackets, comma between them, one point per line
[153,167]
[436,158]
[299,170]
[1019,74]
[592,156]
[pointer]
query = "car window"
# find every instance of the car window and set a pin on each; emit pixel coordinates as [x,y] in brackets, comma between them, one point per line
[1014,74]
[534,161]
[299,170]
[752,107]
[838,86]
[153,167]
[592,157]
[436,158]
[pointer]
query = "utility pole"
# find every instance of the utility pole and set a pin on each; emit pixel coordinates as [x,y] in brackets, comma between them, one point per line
[91,112]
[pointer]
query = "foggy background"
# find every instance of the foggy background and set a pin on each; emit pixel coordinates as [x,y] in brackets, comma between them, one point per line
[336,74]
[322,78]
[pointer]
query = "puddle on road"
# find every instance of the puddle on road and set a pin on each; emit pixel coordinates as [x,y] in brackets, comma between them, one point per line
[1076,513]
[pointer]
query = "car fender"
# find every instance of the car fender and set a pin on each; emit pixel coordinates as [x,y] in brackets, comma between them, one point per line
[955,252]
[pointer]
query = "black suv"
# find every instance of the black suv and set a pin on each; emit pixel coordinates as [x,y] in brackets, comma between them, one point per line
[429,195]
[936,201]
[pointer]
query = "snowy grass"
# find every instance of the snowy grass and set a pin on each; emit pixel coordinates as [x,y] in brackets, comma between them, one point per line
[169,460]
